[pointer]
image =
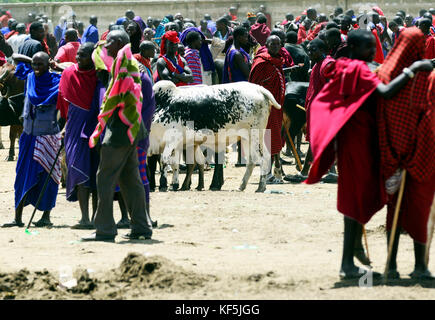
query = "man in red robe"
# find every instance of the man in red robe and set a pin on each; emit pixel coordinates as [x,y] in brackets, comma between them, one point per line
[317,50]
[343,126]
[407,142]
[267,72]
[375,20]
[424,25]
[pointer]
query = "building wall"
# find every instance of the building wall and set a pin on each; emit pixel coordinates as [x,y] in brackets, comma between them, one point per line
[195,9]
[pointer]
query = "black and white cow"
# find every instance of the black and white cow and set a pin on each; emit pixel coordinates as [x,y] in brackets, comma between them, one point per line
[215,117]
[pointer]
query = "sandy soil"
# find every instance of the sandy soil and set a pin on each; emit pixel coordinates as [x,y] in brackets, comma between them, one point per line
[209,245]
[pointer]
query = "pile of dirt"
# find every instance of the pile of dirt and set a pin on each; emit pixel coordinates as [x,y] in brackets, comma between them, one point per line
[134,278]
[156,272]
[28,285]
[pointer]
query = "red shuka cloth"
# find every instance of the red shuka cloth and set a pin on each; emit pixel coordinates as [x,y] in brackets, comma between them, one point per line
[2,58]
[314,32]
[144,61]
[10,34]
[407,134]
[76,86]
[267,72]
[260,32]
[379,56]
[430,47]
[318,80]
[288,61]
[343,110]
[302,34]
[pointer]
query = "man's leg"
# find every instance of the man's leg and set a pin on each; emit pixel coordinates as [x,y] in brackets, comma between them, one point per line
[18,221]
[112,161]
[124,223]
[134,195]
[392,269]
[420,268]
[83,194]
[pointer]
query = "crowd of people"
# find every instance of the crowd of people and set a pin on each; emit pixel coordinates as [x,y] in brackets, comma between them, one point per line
[369,109]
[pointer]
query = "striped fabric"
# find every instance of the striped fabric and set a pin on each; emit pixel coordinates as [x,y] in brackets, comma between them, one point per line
[194,62]
[46,148]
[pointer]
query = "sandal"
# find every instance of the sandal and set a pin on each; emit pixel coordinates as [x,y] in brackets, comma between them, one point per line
[295,178]
[83,226]
[422,275]
[273,180]
[13,224]
[42,223]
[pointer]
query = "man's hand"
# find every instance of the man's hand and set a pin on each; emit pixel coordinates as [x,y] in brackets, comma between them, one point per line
[422,65]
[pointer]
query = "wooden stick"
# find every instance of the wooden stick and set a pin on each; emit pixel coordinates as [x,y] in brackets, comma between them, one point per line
[393,229]
[294,149]
[365,241]
[300,107]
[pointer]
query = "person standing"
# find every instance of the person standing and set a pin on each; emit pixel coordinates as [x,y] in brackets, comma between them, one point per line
[343,127]
[260,31]
[406,126]
[91,32]
[171,65]
[424,25]
[17,40]
[147,52]
[78,103]
[267,71]
[34,43]
[120,117]
[39,142]
[68,52]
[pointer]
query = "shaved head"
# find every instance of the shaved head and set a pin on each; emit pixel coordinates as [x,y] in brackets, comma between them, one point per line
[40,63]
[119,35]
[71,35]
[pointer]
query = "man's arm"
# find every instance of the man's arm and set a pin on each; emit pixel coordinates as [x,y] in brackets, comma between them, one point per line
[388,91]
[163,71]
[240,63]
[186,76]
[21,58]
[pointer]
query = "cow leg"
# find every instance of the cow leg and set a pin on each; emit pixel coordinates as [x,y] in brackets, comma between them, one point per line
[175,177]
[200,186]
[214,181]
[247,175]
[187,179]
[218,175]
[163,182]
[152,166]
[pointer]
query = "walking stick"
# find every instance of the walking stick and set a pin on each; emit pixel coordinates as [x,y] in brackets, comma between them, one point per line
[44,186]
[365,241]
[294,150]
[393,229]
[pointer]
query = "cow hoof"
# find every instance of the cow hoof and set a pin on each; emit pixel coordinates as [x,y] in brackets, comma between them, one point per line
[163,189]
[152,189]
[175,187]
[9,158]
[215,189]
[199,188]
[261,189]
[184,189]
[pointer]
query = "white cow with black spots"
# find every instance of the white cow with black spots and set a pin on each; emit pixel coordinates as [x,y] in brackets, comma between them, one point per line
[215,117]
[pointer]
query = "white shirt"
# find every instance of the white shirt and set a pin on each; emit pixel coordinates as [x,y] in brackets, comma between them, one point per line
[16,41]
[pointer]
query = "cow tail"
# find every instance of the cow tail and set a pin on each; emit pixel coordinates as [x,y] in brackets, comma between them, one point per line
[269,96]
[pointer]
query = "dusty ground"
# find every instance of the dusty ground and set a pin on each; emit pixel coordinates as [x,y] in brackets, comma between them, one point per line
[209,245]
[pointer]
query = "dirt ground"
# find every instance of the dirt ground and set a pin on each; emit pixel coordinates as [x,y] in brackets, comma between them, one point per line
[209,245]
